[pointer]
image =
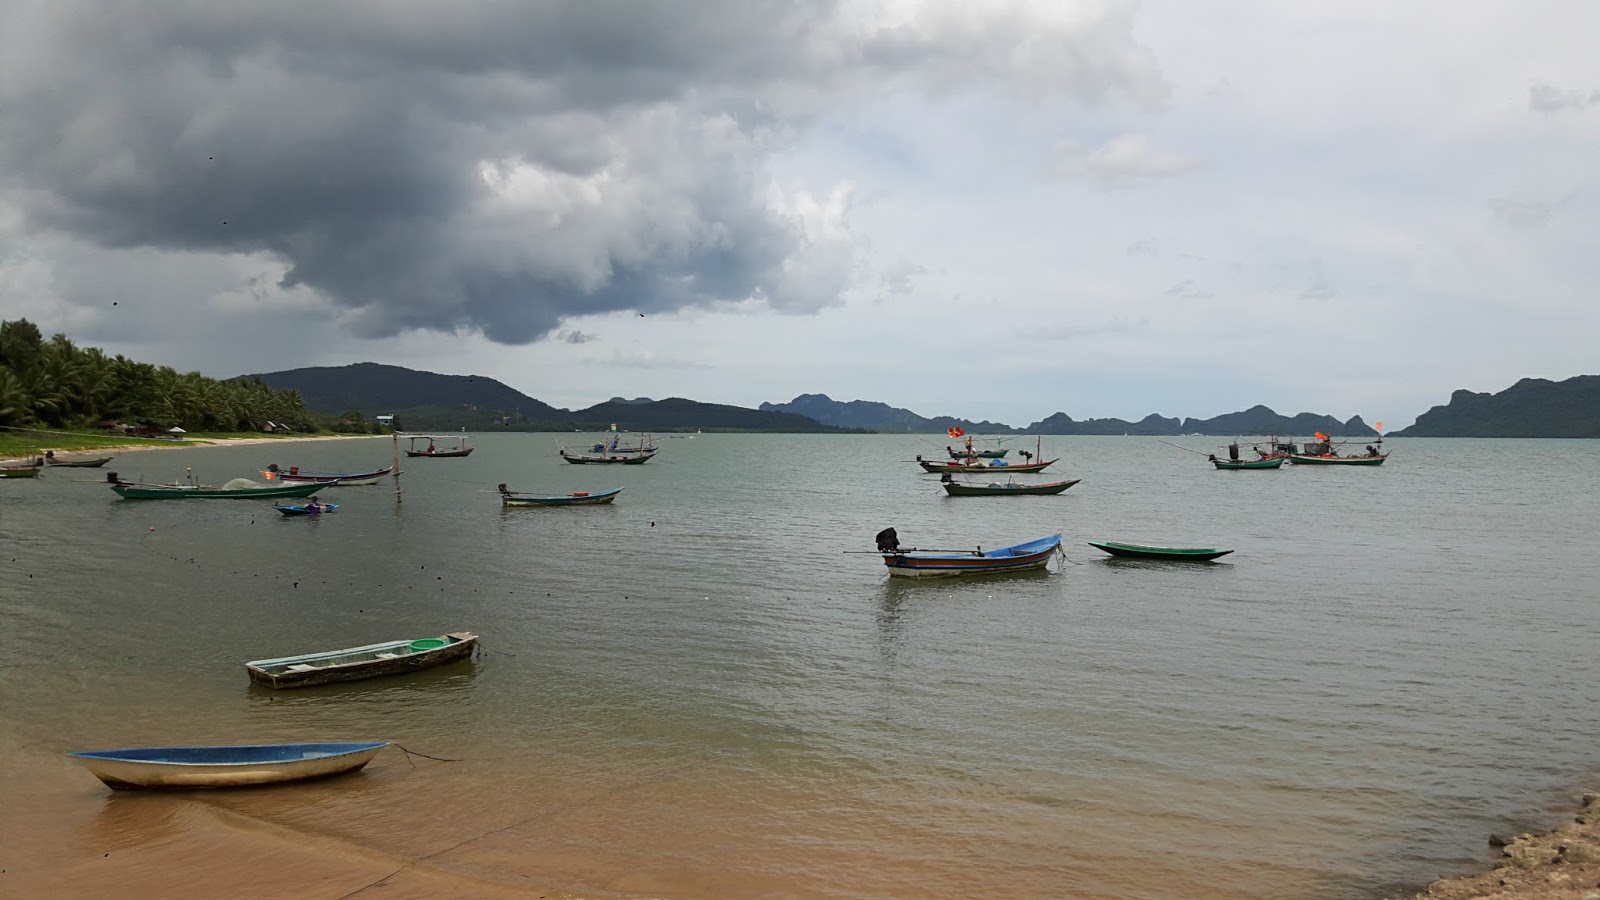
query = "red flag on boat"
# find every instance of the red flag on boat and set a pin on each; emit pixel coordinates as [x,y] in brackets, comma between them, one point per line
[1379,428]
[955,432]
[1321,437]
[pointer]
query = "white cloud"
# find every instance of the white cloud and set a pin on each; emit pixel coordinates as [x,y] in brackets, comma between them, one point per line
[1122,162]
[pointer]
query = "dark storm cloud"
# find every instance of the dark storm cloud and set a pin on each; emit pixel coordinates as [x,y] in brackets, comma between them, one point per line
[496,166]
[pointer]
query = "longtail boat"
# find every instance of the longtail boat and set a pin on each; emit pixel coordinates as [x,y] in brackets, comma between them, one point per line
[606,458]
[1322,453]
[1009,488]
[1270,462]
[915,563]
[131,491]
[576,498]
[293,475]
[359,663]
[454,445]
[1140,551]
[993,465]
[155,768]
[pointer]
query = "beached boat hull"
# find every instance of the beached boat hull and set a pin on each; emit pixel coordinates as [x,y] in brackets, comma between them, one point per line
[992,466]
[79,463]
[1275,462]
[164,492]
[359,663]
[171,768]
[580,498]
[1031,555]
[1301,459]
[1171,554]
[1010,489]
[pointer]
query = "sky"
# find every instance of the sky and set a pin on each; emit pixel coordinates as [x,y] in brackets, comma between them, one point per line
[997,210]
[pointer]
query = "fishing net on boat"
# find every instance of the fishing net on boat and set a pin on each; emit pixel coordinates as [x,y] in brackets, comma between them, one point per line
[243,484]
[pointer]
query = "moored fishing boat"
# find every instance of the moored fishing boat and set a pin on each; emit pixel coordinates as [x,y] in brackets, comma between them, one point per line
[1322,453]
[219,767]
[237,489]
[1174,554]
[991,465]
[606,458]
[293,475]
[438,446]
[917,563]
[359,663]
[1009,488]
[19,471]
[576,498]
[50,459]
[1270,462]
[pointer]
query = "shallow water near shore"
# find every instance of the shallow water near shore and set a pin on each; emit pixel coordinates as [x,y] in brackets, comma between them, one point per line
[698,692]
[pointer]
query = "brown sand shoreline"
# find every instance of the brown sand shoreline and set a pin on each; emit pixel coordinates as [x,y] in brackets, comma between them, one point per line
[68,453]
[1561,864]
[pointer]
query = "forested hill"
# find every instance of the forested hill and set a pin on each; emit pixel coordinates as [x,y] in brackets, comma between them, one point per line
[1532,408]
[377,389]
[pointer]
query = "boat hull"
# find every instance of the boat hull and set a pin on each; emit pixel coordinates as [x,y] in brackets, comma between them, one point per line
[1007,490]
[158,492]
[1171,554]
[936,466]
[358,663]
[79,463]
[1274,463]
[979,454]
[299,509]
[1032,555]
[579,459]
[1301,459]
[182,768]
[20,472]
[330,478]
[439,454]
[595,499]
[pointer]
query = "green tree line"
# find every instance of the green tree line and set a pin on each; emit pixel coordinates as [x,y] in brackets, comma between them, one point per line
[57,384]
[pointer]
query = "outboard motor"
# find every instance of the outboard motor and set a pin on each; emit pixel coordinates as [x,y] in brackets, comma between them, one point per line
[1233,451]
[111,478]
[503,488]
[888,541]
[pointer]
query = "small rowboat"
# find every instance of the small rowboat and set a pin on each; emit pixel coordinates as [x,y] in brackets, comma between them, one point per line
[201,492]
[1010,488]
[1305,459]
[218,767]
[915,563]
[301,509]
[19,471]
[1139,551]
[293,475]
[358,663]
[1271,462]
[576,498]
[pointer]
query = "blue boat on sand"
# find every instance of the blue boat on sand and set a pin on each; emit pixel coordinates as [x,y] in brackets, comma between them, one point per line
[915,563]
[156,768]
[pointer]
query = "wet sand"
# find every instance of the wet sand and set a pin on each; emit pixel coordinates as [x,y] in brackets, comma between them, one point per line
[1561,864]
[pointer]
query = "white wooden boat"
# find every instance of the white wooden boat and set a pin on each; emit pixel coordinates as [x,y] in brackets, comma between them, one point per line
[151,768]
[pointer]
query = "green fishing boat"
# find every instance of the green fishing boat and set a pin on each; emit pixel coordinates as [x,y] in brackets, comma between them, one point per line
[19,471]
[202,492]
[1139,551]
[1272,462]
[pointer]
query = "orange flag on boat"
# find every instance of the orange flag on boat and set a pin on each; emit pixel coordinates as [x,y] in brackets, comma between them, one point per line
[1378,427]
[1321,437]
[955,432]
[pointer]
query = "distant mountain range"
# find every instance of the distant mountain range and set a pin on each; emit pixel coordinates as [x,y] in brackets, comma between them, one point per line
[883,418]
[428,401]
[1533,408]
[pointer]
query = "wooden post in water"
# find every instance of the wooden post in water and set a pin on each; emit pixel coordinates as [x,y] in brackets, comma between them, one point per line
[398,494]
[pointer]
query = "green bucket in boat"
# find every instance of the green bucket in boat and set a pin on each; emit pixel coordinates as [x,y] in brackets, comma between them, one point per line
[428,644]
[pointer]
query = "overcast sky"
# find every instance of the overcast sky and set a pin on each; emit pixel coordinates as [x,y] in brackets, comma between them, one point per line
[993,210]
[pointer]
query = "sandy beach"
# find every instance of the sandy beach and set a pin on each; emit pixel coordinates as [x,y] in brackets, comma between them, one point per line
[189,444]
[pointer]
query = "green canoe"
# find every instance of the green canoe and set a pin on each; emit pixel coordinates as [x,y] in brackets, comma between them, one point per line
[1138,551]
[197,492]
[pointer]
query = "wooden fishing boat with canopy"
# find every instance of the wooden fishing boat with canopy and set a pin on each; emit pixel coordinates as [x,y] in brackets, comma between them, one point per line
[1322,452]
[433,446]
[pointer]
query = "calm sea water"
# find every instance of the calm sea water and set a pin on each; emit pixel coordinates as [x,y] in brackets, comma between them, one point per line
[699,692]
